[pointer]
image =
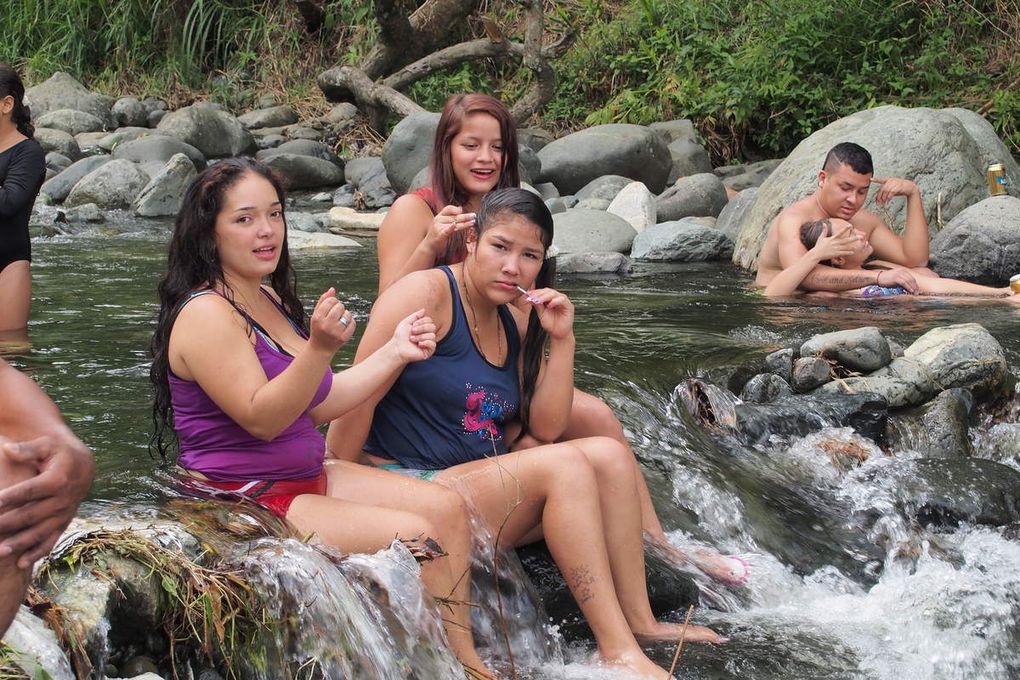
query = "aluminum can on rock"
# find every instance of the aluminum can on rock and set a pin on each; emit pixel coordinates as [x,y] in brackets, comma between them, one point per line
[996,179]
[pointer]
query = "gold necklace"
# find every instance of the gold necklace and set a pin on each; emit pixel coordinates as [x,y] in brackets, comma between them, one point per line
[474,323]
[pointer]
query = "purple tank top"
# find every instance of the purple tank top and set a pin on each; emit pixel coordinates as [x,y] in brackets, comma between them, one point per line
[212,443]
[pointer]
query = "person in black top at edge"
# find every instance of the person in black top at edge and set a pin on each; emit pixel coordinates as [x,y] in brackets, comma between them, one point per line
[22,171]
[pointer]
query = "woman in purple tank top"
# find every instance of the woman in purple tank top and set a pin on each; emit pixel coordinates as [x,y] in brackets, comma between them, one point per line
[581,495]
[243,379]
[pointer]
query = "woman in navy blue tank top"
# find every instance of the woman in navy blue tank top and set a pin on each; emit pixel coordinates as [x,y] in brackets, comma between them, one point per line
[494,364]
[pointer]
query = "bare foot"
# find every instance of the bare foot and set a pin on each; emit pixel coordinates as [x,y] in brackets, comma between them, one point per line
[730,570]
[638,665]
[671,632]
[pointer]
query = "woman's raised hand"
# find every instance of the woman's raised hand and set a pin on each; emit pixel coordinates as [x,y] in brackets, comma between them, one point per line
[331,324]
[448,222]
[555,311]
[415,337]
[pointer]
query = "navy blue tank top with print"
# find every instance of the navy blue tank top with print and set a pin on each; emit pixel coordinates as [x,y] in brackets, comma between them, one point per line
[452,407]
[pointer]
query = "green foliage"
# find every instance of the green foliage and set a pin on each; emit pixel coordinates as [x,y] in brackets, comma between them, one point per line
[758,77]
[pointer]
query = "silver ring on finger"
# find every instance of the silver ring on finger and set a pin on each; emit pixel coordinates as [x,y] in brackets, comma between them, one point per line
[344,321]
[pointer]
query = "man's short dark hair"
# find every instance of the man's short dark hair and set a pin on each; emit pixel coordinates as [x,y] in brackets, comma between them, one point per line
[848,153]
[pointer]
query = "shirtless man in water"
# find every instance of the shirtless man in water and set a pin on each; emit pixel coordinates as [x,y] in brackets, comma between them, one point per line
[843,185]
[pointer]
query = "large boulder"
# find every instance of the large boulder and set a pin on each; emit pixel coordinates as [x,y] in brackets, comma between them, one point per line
[61,91]
[687,157]
[305,172]
[633,151]
[932,147]
[159,149]
[982,243]
[701,195]
[636,204]
[129,112]
[121,135]
[685,240]
[587,231]
[163,195]
[963,355]
[70,121]
[209,129]
[407,149]
[59,141]
[112,185]
[991,148]
[741,177]
[60,186]
[603,188]
[303,147]
[592,263]
[274,116]
[733,214]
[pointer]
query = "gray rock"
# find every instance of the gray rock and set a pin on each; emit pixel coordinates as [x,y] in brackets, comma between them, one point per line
[636,204]
[61,91]
[895,348]
[741,177]
[212,131]
[139,666]
[592,204]
[376,191]
[57,161]
[964,355]
[569,200]
[528,163]
[88,142]
[270,141]
[34,648]
[810,372]
[407,149]
[420,180]
[163,195]
[632,151]
[931,147]
[304,147]
[858,349]
[732,216]
[1002,443]
[946,424]
[588,231]
[342,113]
[673,130]
[945,492]
[687,157]
[897,392]
[764,388]
[80,214]
[268,101]
[982,243]
[604,188]
[59,141]
[913,373]
[990,147]
[306,222]
[121,135]
[701,195]
[156,117]
[344,196]
[302,240]
[547,190]
[534,138]
[801,414]
[684,240]
[780,363]
[129,112]
[305,172]
[158,148]
[357,169]
[304,132]
[70,121]
[322,197]
[592,263]
[60,186]
[112,185]
[555,205]
[274,116]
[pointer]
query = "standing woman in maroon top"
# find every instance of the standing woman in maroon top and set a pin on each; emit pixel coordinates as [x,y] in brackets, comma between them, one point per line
[475,151]
[22,171]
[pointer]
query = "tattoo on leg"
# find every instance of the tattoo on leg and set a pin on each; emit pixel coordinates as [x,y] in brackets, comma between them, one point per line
[581,582]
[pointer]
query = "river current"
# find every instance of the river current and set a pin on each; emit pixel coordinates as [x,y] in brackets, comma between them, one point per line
[831,594]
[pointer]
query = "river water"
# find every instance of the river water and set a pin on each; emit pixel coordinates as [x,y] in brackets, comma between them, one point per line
[831,594]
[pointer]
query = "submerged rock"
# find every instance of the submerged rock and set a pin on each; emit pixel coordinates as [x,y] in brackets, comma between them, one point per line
[798,415]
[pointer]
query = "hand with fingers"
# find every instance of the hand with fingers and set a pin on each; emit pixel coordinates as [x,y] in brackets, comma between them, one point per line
[34,512]
[900,276]
[555,312]
[415,337]
[449,221]
[891,187]
[331,324]
[842,242]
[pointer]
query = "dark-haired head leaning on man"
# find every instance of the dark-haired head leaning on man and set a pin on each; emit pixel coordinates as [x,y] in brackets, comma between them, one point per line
[843,184]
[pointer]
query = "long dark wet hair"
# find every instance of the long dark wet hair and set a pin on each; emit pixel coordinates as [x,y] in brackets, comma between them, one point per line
[11,85]
[444,183]
[193,264]
[521,202]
